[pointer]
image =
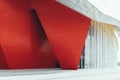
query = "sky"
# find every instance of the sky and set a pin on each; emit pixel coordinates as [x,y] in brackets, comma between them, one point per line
[109,7]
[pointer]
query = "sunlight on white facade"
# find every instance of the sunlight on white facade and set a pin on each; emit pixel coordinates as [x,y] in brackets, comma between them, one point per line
[109,7]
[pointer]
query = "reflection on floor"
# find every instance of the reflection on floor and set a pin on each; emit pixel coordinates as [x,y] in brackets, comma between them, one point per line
[58,74]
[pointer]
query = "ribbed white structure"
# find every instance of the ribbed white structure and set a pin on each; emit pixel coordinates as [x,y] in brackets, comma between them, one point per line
[101,46]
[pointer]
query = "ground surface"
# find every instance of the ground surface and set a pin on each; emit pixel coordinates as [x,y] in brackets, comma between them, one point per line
[57,74]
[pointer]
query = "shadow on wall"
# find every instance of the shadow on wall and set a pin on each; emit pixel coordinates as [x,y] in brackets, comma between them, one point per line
[44,52]
[3,62]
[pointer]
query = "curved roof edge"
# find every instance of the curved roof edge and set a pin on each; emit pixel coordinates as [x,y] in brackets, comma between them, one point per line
[86,8]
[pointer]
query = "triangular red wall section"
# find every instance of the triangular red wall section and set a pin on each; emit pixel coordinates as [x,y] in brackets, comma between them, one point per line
[22,42]
[66,31]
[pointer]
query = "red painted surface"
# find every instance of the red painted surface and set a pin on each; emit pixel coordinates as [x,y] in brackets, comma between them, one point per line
[24,43]
[66,31]
[3,62]
[21,41]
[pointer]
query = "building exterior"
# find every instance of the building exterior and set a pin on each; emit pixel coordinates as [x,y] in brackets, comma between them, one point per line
[42,33]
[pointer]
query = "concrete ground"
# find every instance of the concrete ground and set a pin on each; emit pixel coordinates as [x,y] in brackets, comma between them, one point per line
[58,74]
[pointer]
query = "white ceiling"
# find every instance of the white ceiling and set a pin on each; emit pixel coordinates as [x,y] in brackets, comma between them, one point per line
[109,7]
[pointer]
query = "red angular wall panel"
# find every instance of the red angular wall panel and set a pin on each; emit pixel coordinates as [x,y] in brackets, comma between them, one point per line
[66,31]
[22,44]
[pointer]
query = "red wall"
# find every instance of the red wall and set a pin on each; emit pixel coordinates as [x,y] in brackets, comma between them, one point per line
[3,62]
[66,31]
[24,43]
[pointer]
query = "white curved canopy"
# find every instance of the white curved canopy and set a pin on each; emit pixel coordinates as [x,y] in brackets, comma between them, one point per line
[109,7]
[94,9]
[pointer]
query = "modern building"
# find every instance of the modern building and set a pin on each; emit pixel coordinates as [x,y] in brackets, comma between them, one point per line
[44,33]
